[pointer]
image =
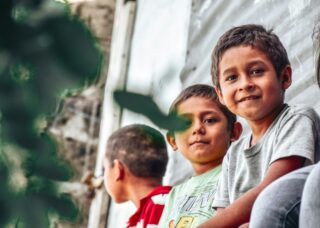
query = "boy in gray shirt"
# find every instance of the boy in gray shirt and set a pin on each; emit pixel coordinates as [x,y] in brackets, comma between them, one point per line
[293,200]
[251,71]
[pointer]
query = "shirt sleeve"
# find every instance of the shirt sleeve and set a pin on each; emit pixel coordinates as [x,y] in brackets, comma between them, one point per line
[222,195]
[296,137]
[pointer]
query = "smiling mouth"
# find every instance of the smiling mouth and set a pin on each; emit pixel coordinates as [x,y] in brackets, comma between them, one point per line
[199,143]
[249,98]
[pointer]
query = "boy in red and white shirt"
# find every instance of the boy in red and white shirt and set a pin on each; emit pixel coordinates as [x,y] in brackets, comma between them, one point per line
[151,207]
[135,162]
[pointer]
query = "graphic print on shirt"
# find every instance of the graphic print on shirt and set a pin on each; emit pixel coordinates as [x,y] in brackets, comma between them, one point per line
[190,207]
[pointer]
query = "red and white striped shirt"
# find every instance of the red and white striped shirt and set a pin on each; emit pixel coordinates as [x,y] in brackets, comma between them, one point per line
[149,213]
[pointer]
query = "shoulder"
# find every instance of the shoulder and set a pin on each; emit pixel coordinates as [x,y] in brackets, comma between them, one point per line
[295,119]
[187,186]
[238,145]
[161,190]
[159,194]
[156,198]
[300,111]
[180,187]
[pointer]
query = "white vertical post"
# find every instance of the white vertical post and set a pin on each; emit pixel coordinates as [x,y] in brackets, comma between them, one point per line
[116,78]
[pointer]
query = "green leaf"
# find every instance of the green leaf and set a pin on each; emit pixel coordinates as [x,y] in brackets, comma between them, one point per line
[145,105]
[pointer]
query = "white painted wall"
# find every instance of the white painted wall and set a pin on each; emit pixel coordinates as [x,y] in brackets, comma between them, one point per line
[171,50]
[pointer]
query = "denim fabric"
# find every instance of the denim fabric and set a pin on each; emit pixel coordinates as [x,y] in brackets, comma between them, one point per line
[278,205]
[310,204]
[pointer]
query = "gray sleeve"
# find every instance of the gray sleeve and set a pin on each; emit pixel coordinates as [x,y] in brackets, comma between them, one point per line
[222,194]
[296,137]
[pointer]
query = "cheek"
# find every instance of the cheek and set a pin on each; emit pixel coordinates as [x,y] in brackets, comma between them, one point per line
[228,93]
[221,136]
[226,142]
[226,97]
[111,190]
[106,181]
[181,139]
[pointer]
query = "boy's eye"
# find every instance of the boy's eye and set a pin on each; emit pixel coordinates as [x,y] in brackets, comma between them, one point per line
[187,121]
[257,71]
[231,78]
[210,120]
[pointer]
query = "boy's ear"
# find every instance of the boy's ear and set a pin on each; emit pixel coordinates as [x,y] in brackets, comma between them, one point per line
[172,141]
[286,77]
[236,131]
[119,170]
[218,92]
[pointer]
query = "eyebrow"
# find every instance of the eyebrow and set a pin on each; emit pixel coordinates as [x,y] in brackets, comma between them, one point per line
[228,71]
[206,112]
[256,62]
[251,63]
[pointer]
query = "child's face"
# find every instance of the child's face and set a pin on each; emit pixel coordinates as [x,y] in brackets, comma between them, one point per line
[207,139]
[249,85]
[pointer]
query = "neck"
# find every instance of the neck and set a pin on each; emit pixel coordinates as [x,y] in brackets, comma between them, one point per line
[140,188]
[259,127]
[203,168]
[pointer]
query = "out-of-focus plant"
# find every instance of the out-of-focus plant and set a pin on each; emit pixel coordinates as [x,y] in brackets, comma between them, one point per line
[43,52]
[145,105]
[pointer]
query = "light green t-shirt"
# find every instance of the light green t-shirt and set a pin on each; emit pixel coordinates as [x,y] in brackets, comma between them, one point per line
[190,204]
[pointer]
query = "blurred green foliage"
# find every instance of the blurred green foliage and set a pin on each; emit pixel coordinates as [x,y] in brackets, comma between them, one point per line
[43,52]
[145,105]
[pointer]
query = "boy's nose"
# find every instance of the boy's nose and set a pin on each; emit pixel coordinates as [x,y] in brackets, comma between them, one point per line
[198,128]
[246,83]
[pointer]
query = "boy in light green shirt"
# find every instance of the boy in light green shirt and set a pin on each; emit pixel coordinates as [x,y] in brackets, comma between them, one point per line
[204,143]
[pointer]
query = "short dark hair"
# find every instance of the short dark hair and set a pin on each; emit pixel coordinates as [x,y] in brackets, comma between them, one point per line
[141,148]
[205,91]
[256,36]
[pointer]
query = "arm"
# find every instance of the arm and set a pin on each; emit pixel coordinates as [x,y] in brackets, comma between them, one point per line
[239,211]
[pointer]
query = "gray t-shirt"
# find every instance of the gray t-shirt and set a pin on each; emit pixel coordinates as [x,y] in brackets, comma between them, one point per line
[295,132]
